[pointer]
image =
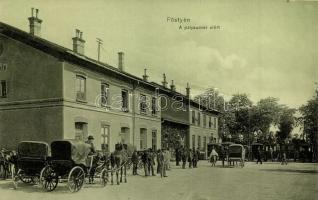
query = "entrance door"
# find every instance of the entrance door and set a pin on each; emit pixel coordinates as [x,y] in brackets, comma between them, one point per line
[143,138]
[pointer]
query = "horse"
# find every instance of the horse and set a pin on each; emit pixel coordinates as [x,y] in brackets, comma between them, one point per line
[119,161]
[95,163]
[7,161]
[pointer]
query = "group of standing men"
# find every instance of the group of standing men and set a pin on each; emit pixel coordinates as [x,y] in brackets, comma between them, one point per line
[184,155]
[148,158]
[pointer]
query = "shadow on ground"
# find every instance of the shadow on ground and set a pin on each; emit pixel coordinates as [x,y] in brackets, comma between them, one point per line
[292,171]
[30,188]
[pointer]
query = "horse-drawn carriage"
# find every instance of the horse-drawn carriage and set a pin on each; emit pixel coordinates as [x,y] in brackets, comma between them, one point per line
[69,162]
[30,159]
[236,153]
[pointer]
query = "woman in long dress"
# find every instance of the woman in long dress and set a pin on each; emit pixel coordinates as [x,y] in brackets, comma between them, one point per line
[213,157]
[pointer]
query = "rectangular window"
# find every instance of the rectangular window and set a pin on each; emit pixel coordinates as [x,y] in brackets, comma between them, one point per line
[199,119]
[199,142]
[3,89]
[204,120]
[143,103]
[80,131]
[124,96]
[154,140]
[105,138]
[193,141]
[104,95]
[214,122]
[204,143]
[154,106]
[210,139]
[80,87]
[125,135]
[210,122]
[193,117]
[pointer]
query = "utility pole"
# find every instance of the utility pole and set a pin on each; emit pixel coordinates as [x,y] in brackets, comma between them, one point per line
[99,43]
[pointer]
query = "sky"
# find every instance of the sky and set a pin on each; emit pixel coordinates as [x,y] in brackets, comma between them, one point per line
[262,48]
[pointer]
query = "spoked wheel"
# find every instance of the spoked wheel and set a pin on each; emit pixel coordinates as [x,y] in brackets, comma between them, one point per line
[26,179]
[48,178]
[76,179]
[104,177]
[2,170]
[15,176]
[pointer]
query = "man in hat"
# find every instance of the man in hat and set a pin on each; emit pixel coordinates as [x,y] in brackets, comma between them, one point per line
[89,141]
[90,161]
[151,162]
[145,160]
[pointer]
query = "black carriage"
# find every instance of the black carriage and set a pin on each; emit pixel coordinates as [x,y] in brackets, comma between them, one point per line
[31,158]
[70,161]
[236,153]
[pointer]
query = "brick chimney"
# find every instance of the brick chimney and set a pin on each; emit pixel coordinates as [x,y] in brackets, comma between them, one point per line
[188,90]
[172,86]
[145,76]
[78,42]
[35,23]
[121,61]
[164,82]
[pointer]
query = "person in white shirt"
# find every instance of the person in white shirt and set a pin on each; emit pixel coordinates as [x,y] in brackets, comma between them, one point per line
[213,157]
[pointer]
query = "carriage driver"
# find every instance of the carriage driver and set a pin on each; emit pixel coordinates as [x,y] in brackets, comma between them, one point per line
[89,141]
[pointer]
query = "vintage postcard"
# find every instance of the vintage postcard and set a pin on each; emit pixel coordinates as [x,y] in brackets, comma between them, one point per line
[158,99]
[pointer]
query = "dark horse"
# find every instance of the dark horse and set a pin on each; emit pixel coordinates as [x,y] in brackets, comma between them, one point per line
[7,160]
[119,160]
[96,163]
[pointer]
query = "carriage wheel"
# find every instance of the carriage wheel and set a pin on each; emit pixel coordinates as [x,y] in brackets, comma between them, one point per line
[26,179]
[48,178]
[15,176]
[104,177]
[2,171]
[76,179]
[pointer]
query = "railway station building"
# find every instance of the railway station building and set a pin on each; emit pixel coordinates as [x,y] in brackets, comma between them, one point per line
[50,92]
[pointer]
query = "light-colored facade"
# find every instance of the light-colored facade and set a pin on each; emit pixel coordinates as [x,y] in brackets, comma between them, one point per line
[49,92]
[203,128]
[42,101]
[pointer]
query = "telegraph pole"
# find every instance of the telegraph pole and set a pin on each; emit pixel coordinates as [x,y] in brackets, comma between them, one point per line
[99,43]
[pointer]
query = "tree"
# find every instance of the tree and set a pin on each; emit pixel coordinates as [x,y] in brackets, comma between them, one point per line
[240,105]
[309,113]
[285,124]
[265,113]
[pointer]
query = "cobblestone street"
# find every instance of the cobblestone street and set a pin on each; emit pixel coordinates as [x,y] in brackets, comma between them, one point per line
[296,181]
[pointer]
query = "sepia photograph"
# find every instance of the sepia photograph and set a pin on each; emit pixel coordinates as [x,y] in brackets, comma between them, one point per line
[159,99]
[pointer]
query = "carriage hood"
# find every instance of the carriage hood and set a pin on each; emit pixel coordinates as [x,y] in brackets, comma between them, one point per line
[33,149]
[70,150]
